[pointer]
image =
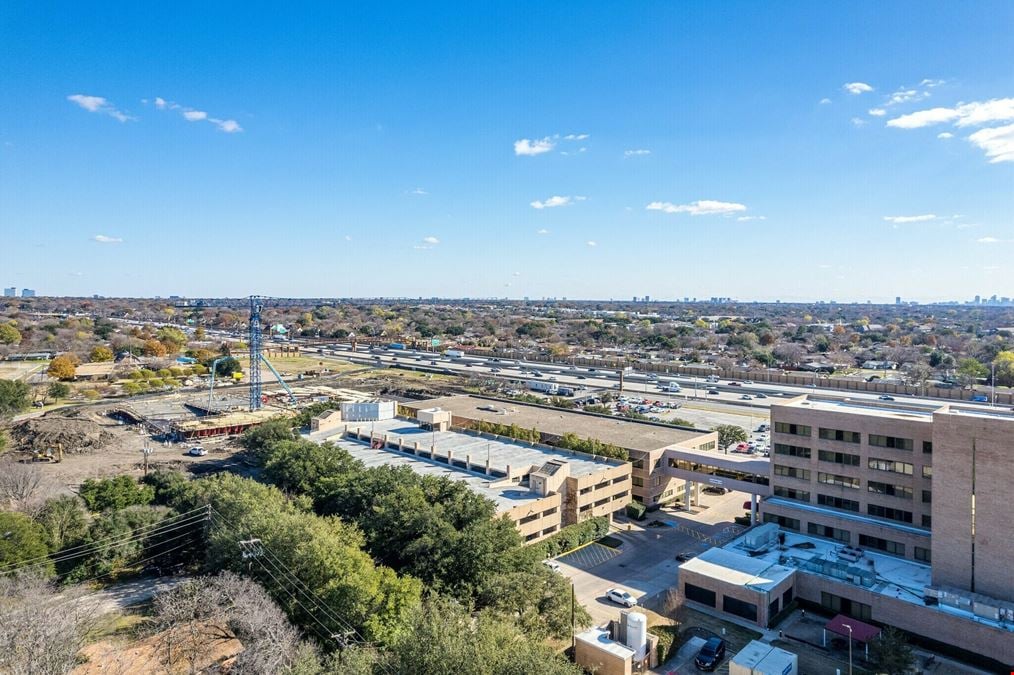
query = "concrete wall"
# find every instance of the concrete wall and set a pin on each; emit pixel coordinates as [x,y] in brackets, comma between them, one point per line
[604,493]
[601,661]
[326,421]
[760,598]
[539,519]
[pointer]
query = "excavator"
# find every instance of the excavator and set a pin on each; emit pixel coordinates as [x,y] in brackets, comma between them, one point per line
[48,455]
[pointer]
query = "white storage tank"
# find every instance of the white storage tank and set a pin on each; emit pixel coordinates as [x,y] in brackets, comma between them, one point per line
[637,634]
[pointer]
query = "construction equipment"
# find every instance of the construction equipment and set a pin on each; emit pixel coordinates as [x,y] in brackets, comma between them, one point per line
[49,455]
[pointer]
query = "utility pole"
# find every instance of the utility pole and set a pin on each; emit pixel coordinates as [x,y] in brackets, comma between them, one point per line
[146,450]
[573,621]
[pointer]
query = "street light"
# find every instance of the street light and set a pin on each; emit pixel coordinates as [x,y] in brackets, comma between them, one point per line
[849,628]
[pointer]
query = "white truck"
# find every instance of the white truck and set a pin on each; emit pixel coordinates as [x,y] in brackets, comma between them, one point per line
[671,387]
[544,387]
[454,353]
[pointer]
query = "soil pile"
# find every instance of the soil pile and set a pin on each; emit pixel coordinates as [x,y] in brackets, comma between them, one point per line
[78,436]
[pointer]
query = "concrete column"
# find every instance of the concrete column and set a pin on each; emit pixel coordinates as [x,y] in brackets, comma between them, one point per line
[450,457]
[687,494]
[401,443]
[753,509]
[487,466]
[415,449]
[468,462]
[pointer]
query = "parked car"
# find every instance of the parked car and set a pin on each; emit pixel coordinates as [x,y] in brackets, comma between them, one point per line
[711,654]
[885,397]
[714,490]
[197,451]
[685,556]
[621,597]
[552,564]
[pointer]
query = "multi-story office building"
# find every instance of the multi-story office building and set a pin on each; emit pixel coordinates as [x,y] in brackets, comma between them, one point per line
[27,293]
[10,292]
[890,513]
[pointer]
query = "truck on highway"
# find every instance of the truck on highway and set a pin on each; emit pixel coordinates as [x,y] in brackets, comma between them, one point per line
[454,353]
[396,345]
[671,387]
[544,387]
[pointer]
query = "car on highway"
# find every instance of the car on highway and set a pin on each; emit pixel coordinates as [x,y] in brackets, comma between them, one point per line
[621,597]
[746,397]
[711,654]
[735,384]
[433,363]
[885,397]
[979,398]
[760,395]
[197,451]
[581,377]
[713,392]
[747,381]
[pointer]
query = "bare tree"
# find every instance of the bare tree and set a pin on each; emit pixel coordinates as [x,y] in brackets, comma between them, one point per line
[196,616]
[23,487]
[672,604]
[41,631]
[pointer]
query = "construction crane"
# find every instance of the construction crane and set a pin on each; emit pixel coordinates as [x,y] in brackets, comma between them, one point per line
[257,357]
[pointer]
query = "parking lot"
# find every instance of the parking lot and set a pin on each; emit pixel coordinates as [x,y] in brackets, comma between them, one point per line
[645,565]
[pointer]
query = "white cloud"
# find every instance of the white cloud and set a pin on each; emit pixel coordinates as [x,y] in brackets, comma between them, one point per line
[858,121]
[348,237]
[556,200]
[543,231]
[906,96]
[745,219]
[193,115]
[945,135]
[98,104]
[576,137]
[997,142]
[857,88]
[703,207]
[825,101]
[432,241]
[105,239]
[418,191]
[592,243]
[877,112]
[931,83]
[899,220]
[526,147]
[963,115]
[988,240]
[517,274]
[636,153]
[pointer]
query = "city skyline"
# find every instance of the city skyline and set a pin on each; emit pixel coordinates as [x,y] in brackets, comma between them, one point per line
[857,153]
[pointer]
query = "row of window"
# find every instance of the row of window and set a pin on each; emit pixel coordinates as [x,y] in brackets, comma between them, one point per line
[838,457]
[845,537]
[697,467]
[792,450]
[844,436]
[791,472]
[835,479]
[838,502]
[839,435]
[902,491]
[791,493]
[889,513]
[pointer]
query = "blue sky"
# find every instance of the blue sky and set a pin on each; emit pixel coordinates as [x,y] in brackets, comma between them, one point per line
[754,150]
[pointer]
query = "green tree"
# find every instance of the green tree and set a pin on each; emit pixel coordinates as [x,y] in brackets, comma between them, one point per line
[890,652]
[298,466]
[14,397]
[64,520]
[9,334]
[22,541]
[260,440]
[173,338]
[100,354]
[970,371]
[58,390]
[115,493]
[119,538]
[1003,366]
[729,434]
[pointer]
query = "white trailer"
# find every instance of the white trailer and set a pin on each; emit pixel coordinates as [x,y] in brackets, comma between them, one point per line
[454,353]
[544,387]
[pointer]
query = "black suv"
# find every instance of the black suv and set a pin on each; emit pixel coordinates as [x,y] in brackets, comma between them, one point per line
[711,654]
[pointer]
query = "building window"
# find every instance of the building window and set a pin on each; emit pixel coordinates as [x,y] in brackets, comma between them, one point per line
[835,479]
[892,547]
[927,447]
[656,481]
[549,530]
[790,493]
[549,512]
[927,472]
[782,521]
[838,457]
[619,479]
[922,554]
[903,468]
[787,597]
[792,450]
[586,490]
[638,498]
[889,513]
[620,495]
[901,491]
[533,535]
[794,429]
[838,503]
[890,442]
[710,445]
[747,610]
[698,594]
[637,463]
[637,481]
[927,496]
[840,605]
[528,519]
[839,435]
[696,467]
[792,472]
[927,521]
[829,532]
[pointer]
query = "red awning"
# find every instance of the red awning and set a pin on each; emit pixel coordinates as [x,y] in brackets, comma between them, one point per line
[861,632]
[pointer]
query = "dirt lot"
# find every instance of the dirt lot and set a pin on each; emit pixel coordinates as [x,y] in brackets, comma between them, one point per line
[97,446]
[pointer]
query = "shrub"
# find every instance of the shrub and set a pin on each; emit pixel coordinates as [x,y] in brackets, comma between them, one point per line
[573,536]
[636,510]
[115,493]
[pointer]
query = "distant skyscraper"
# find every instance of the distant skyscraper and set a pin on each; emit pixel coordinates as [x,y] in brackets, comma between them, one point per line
[647,298]
[10,292]
[897,300]
[978,300]
[27,293]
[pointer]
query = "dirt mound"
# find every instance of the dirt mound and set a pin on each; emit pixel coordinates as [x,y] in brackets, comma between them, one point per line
[77,435]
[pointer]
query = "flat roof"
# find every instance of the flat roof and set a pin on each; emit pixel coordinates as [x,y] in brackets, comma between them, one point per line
[888,409]
[599,637]
[763,657]
[628,434]
[502,452]
[734,568]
